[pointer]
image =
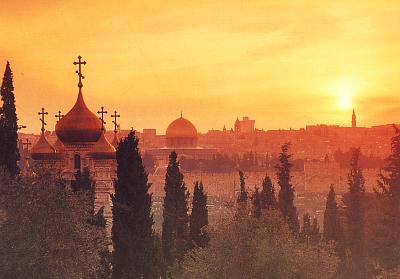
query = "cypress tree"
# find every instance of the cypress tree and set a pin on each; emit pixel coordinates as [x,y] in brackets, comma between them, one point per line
[332,228]
[132,232]
[9,154]
[199,216]
[175,228]
[268,199]
[388,240]
[242,198]
[286,193]
[355,214]
[256,200]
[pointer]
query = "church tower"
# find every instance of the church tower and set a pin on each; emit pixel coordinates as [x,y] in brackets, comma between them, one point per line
[353,120]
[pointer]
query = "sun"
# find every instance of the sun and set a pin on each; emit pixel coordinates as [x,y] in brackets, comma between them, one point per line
[344,89]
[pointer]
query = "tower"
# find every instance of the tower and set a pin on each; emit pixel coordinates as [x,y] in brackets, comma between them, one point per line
[353,120]
[237,125]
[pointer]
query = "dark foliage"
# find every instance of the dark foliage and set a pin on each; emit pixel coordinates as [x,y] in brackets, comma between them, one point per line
[175,228]
[286,193]
[199,217]
[268,199]
[354,201]
[9,153]
[132,232]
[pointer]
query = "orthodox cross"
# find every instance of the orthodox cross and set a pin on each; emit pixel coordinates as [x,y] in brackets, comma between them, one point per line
[115,116]
[42,114]
[59,115]
[102,112]
[79,72]
[26,144]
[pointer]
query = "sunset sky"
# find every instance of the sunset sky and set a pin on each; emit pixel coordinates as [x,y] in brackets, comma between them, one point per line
[283,64]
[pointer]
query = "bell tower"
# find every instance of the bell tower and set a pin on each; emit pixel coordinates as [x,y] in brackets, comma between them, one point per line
[353,120]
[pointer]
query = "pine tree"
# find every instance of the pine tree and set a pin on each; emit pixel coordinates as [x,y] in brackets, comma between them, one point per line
[355,214]
[286,193]
[132,232]
[9,154]
[256,200]
[242,198]
[389,191]
[268,199]
[332,229]
[175,228]
[199,216]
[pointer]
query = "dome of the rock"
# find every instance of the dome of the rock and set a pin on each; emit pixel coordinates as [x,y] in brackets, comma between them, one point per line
[79,125]
[181,132]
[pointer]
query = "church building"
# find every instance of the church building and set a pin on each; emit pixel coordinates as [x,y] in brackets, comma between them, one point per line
[81,143]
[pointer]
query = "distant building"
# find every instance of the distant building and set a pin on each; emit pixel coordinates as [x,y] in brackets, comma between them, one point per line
[244,126]
[182,137]
[353,120]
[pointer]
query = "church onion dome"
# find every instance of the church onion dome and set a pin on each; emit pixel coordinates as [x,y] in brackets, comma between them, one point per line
[79,125]
[115,141]
[43,150]
[181,132]
[103,149]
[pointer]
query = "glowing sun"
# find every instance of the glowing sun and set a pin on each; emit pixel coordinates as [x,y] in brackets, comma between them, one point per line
[344,89]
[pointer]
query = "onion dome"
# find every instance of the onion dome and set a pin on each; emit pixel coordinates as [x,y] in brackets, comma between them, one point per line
[115,141]
[103,149]
[79,125]
[43,150]
[181,132]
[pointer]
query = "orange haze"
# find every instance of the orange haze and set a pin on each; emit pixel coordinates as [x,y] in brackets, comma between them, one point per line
[283,64]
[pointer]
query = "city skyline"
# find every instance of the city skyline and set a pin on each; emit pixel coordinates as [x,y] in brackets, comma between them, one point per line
[306,63]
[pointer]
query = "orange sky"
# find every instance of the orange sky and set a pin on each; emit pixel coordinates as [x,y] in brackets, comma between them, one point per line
[283,64]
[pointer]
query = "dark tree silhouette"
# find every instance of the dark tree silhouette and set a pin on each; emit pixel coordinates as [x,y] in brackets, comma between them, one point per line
[315,233]
[132,231]
[286,193]
[332,227]
[242,198]
[355,215]
[256,200]
[199,216]
[175,228]
[388,190]
[9,153]
[306,230]
[268,199]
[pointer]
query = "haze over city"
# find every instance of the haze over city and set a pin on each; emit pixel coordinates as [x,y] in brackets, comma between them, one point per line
[286,64]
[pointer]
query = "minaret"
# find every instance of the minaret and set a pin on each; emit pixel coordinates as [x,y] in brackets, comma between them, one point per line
[353,120]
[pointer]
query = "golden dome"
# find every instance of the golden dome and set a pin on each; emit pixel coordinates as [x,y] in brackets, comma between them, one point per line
[181,128]
[42,150]
[79,124]
[115,141]
[181,132]
[103,149]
